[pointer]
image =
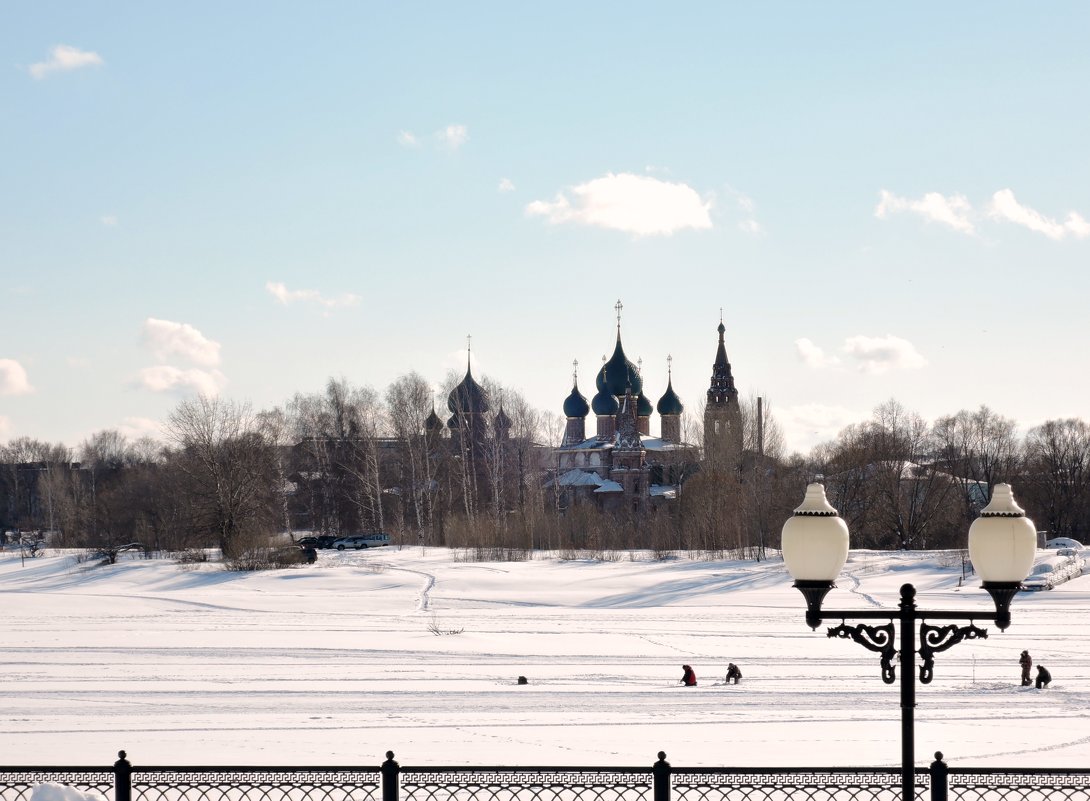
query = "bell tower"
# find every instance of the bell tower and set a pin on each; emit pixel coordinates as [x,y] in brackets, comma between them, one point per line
[722,415]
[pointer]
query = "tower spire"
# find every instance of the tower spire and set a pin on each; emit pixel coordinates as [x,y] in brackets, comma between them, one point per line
[618,306]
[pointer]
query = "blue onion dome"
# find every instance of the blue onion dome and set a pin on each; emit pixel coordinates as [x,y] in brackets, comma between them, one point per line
[575,405]
[619,373]
[502,421]
[670,403]
[468,397]
[643,406]
[433,423]
[452,422]
[604,403]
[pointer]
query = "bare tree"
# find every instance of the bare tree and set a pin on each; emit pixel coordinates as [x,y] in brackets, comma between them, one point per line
[227,462]
[1057,469]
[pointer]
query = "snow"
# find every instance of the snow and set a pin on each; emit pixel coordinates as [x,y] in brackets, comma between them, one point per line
[337,662]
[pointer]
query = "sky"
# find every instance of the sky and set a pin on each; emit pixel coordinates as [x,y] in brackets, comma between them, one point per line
[251,198]
[418,651]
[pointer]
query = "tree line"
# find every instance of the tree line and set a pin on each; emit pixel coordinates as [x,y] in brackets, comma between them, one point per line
[349,458]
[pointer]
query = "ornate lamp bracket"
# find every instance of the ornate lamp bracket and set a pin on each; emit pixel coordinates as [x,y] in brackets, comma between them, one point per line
[934,639]
[874,638]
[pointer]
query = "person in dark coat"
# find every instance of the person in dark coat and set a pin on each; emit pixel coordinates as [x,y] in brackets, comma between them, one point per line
[1043,676]
[1026,662]
[733,673]
[688,678]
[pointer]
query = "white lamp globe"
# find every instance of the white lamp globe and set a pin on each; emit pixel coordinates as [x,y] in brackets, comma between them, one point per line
[1002,541]
[814,540]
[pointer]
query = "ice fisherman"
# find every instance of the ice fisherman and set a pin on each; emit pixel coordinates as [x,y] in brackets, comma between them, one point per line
[733,673]
[1043,676]
[1026,661]
[688,678]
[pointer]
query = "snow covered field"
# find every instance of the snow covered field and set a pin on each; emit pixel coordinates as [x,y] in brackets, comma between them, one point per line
[336,662]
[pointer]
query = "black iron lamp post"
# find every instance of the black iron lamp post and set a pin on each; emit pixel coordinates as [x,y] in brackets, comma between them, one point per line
[1002,544]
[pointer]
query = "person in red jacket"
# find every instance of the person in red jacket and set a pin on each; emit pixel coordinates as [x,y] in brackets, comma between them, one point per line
[688,678]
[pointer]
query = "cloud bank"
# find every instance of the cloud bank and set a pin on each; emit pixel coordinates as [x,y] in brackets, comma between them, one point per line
[871,355]
[64,58]
[169,339]
[288,296]
[13,378]
[164,378]
[956,212]
[636,204]
[952,211]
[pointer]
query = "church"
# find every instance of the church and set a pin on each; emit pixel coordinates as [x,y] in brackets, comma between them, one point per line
[621,466]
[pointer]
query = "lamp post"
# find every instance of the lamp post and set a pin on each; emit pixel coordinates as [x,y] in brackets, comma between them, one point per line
[1002,544]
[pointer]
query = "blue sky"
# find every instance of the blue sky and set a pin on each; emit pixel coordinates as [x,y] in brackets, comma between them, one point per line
[250,198]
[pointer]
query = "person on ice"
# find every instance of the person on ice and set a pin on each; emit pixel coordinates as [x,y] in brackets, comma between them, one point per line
[733,673]
[1043,676]
[1026,662]
[688,678]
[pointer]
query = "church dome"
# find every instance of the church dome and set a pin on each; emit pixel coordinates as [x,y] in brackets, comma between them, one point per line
[643,406]
[619,373]
[670,403]
[433,423]
[502,422]
[604,403]
[468,397]
[575,405]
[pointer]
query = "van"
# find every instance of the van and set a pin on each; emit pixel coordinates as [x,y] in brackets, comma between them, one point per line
[359,541]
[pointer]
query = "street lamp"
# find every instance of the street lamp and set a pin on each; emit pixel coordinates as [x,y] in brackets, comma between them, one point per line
[1002,544]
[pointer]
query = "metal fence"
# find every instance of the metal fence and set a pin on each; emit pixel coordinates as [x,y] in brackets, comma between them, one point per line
[659,782]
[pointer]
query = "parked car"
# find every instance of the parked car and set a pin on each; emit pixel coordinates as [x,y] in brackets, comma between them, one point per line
[307,541]
[360,541]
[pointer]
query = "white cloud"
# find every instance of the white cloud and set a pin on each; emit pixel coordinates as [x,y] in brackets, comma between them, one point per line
[164,378]
[108,219]
[636,204]
[877,355]
[136,427]
[13,378]
[407,139]
[167,339]
[953,211]
[63,58]
[288,296]
[751,227]
[807,425]
[506,185]
[812,355]
[453,136]
[1004,206]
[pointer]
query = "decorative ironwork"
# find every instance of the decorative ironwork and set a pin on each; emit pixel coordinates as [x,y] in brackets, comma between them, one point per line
[874,638]
[525,784]
[18,784]
[815,784]
[935,639]
[256,784]
[1019,785]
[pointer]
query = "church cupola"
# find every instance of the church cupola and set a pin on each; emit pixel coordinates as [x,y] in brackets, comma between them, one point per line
[433,423]
[502,424]
[670,407]
[576,410]
[605,407]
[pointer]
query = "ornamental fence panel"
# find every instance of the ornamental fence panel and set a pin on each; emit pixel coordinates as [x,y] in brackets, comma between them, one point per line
[659,782]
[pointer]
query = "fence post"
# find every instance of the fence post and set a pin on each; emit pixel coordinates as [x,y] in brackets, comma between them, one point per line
[939,773]
[660,771]
[390,782]
[122,778]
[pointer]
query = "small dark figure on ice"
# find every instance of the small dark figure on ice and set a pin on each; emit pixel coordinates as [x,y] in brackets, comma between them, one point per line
[733,673]
[1043,676]
[1026,662]
[688,678]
